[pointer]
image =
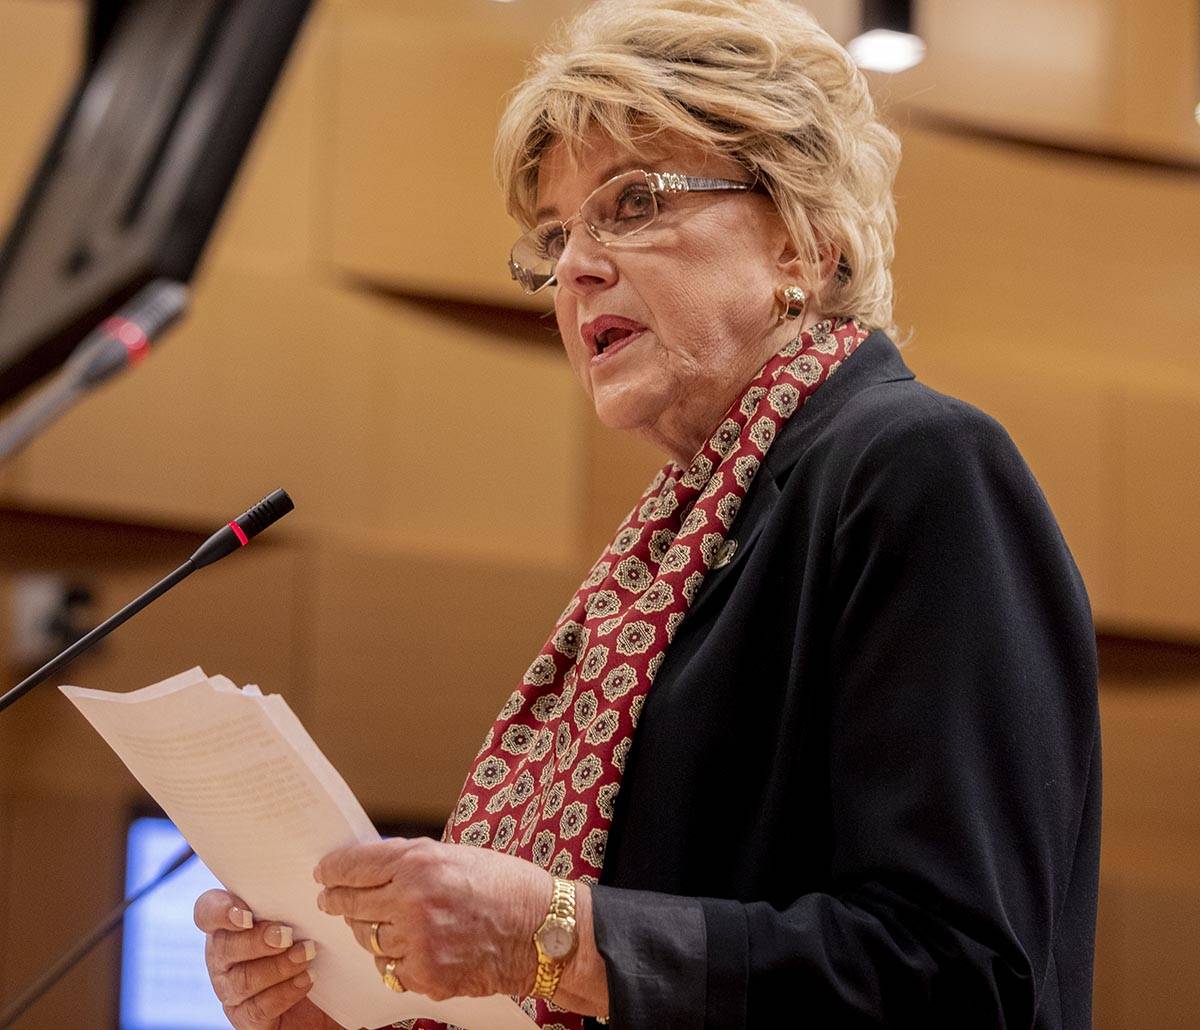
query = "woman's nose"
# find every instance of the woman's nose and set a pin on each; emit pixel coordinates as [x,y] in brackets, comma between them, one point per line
[585,265]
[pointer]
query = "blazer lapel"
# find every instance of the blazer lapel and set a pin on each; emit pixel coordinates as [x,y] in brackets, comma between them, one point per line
[877,361]
[743,534]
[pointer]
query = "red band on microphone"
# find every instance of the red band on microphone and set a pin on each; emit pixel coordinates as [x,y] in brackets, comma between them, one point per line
[130,336]
[239,533]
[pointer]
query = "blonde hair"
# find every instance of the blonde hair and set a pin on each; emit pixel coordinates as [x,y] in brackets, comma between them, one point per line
[758,81]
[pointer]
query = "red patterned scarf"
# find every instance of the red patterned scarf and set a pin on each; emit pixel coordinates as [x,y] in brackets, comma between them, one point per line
[545,781]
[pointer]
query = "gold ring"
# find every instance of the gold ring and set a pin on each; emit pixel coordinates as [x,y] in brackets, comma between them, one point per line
[375,941]
[390,980]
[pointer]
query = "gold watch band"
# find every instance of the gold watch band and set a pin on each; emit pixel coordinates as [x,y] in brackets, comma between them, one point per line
[550,970]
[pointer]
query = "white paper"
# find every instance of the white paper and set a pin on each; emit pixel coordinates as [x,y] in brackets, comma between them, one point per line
[261,805]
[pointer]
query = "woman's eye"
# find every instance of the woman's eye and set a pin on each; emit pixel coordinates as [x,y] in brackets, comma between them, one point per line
[551,241]
[634,202]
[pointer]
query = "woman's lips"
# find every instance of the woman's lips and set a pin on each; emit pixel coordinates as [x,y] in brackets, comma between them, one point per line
[615,347]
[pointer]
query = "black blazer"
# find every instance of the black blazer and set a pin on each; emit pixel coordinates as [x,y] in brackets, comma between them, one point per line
[865,788]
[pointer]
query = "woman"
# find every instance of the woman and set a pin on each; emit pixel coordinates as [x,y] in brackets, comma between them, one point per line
[817,737]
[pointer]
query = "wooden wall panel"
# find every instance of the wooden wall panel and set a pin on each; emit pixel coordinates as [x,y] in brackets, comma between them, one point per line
[1149,929]
[377,413]
[1030,252]
[1107,74]
[1152,775]
[621,467]
[64,874]
[1040,65]
[1147,955]
[1157,71]
[414,203]
[477,434]
[41,43]
[413,658]
[1160,496]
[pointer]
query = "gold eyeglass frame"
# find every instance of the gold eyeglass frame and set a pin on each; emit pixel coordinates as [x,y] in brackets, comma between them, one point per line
[666,183]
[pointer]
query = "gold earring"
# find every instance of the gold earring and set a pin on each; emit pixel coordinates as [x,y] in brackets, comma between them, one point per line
[793,299]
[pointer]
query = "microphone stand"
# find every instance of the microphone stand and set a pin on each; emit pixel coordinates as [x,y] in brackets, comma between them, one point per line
[110,922]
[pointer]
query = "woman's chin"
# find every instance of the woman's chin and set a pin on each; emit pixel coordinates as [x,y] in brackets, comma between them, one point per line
[622,411]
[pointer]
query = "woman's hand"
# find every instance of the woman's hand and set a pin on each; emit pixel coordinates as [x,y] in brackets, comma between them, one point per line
[458,920]
[260,975]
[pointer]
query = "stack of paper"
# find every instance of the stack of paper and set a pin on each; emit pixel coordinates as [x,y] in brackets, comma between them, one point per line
[260,805]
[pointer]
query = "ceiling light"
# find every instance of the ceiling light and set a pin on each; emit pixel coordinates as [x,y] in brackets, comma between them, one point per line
[882,50]
[888,42]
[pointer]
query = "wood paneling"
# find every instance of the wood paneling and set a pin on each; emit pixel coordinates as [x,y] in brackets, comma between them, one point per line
[1028,252]
[1115,74]
[63,875]
[1041,65]
[1160,497]
[414,201]
[1146,955]
[414,657]
[1150,902]
[477,434]
[1152,773]
[376,414]
[41,43]
[1156,67]
[620,468]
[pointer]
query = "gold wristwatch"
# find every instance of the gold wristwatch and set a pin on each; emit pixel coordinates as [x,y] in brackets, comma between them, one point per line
[556,940]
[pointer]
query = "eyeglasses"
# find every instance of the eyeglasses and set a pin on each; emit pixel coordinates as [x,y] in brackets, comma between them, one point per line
[624,205]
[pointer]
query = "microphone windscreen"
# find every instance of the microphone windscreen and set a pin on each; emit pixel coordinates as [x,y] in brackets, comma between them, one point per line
[268,511]
[243,529]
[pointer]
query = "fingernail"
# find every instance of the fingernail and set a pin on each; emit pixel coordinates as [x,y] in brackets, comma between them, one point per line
[279,936]
[317,873]
[241,917]
[321,901]
[304,980]
[305,951]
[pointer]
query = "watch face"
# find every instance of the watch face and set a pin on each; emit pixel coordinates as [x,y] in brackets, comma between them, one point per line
[556,939]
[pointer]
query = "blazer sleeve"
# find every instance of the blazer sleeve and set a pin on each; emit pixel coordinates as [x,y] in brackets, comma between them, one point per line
[962,746]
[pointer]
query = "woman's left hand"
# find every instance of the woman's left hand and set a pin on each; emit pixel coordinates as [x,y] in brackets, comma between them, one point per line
[458,920]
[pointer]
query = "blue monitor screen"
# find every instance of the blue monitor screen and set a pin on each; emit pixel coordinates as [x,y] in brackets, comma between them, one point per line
[164,985]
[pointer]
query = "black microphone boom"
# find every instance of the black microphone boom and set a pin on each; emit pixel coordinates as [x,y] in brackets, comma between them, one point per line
[225,540]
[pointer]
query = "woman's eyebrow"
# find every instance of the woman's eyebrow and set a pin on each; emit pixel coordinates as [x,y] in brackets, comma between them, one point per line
[550,211]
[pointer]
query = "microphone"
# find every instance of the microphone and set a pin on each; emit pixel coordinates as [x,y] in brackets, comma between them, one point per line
[229,538]
[125,338]
[241,530]
[120,342]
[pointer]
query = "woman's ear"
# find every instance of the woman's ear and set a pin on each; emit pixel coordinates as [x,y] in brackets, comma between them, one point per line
[796,267]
